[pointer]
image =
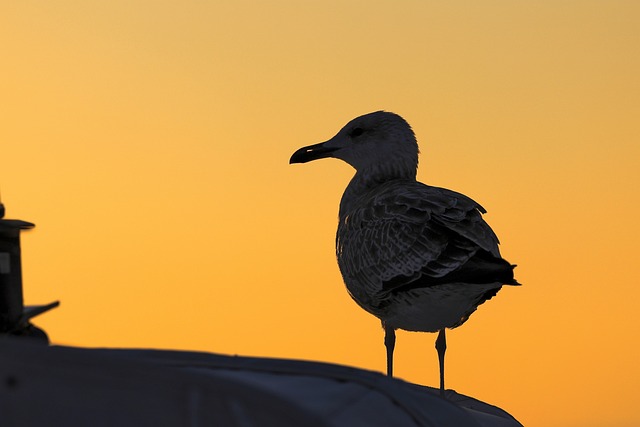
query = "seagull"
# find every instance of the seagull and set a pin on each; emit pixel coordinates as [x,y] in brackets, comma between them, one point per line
[420,258]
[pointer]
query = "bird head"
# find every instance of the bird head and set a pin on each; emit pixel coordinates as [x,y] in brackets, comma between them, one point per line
[375,139]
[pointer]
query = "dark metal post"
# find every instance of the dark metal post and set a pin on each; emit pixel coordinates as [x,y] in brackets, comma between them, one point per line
[14,317]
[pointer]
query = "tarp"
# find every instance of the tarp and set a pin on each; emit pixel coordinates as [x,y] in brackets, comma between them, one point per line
[66,386]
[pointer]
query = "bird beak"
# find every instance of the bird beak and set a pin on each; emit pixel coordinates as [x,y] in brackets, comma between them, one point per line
[312,152]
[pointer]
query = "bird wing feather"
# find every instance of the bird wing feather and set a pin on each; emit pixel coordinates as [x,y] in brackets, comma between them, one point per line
[402,231]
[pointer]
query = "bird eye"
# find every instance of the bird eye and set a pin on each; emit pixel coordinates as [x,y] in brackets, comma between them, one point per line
[356,132]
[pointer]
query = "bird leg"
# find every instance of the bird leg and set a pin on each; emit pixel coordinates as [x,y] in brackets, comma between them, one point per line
[441,347]
[390,343]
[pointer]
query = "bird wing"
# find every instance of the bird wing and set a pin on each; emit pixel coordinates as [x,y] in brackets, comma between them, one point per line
[407,233]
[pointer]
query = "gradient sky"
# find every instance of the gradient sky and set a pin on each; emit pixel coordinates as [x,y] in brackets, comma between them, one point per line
[149,141]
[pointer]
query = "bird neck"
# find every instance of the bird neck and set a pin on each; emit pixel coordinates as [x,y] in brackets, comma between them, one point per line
[367,179]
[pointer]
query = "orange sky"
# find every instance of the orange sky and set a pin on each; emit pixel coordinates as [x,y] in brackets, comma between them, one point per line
[149,141]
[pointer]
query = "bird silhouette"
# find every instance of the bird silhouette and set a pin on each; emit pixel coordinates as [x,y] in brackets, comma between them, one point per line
[420,258]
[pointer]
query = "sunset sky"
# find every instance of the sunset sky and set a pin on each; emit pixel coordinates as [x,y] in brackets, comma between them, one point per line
[149,143]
